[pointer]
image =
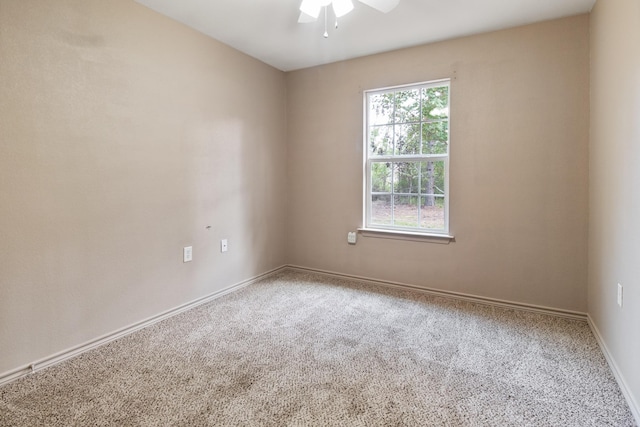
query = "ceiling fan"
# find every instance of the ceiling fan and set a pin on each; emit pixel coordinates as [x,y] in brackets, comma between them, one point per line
[310,9]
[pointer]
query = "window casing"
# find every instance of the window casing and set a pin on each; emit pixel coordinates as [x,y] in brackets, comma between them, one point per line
[407,158]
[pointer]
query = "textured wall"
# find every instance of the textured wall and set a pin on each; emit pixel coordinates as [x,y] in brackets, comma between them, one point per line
[123,135]
[519,157]
[614,183]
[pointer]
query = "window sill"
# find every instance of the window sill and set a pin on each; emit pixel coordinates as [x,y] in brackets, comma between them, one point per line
[443,239]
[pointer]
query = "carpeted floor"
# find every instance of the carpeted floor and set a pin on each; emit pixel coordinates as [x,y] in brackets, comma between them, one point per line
[299,349]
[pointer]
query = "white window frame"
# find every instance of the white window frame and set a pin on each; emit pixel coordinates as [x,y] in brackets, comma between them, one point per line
[386,230]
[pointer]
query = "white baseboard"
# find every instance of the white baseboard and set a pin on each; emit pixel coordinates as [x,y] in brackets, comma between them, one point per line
[457,295]
[104,339]
[626,391]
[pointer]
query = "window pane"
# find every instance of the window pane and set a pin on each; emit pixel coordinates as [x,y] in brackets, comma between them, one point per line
[435,137]
[432,216]
[407,139]
[407,154]
[432,178]
[405,211]
[435,103]
[380,177]
[381,109]
[381,140]
[406,177]
[381,210]
[408,106]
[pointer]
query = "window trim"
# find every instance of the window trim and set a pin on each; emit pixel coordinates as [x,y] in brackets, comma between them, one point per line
[392,231]
[406,235]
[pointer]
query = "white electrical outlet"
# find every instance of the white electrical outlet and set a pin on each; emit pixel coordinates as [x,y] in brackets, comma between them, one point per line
[187,254]
[619,295]
[224,245]
[351,237]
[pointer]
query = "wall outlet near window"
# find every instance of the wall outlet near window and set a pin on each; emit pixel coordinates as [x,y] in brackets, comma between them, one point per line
[619,295]
[351,237]
[187,254]
[224,245]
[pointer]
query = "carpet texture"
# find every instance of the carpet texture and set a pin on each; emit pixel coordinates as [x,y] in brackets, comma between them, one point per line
[299,349]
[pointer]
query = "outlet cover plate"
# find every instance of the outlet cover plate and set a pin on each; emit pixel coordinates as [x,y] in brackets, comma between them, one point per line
[187,254]
[620,295]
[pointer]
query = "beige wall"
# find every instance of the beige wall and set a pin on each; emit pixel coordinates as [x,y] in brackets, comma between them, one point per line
[614,182]
[124,134]
[519,136]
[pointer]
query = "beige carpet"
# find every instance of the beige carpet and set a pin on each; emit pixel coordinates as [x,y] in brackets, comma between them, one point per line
[299,349]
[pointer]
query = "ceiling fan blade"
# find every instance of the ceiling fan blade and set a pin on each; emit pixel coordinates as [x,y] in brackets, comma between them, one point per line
[311,8]
[305,19]
[342,7]
[381,5]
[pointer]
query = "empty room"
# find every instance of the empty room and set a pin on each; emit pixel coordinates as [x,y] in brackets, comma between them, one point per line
[319,213]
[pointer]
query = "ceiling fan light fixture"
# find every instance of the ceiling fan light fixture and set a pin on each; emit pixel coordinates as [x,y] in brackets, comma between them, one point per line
[342,7]
[310,9]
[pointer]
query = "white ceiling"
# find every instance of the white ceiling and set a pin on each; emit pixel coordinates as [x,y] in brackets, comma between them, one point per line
[268,29]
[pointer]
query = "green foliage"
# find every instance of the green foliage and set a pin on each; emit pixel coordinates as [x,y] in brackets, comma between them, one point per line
[435,102]
[381,177]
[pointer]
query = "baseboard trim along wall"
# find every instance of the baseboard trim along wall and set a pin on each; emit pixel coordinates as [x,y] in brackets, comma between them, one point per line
[97,342]
[626,391]
[104,339]
[450,294]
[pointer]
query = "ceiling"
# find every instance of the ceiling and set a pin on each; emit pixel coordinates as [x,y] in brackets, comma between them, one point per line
[269,31]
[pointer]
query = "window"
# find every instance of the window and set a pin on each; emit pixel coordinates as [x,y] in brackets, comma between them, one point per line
[407,158]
